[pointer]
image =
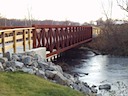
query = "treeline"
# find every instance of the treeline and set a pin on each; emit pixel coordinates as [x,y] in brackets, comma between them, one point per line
[113,39]
[27,22]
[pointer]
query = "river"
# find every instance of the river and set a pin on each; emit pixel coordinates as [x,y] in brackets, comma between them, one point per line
[98,70]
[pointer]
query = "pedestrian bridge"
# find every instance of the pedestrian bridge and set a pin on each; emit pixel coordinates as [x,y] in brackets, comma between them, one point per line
[55,38]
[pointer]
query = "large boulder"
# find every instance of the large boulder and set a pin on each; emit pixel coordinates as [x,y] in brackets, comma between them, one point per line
[61,79]
[15,57]
[19,64]
[1,67]
[42,65]
[10,64]
[34,63]
[3,60]
[28,70]
[12,69]
[80,86]
[76,87]
[70,78]
[105,86]
[27,60]
[50,74]
[55,68]
[84,89]
[41,74]
[57,76]
[93,90]
[7,55]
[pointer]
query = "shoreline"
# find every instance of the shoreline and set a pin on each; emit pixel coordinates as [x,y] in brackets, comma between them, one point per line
[32,63]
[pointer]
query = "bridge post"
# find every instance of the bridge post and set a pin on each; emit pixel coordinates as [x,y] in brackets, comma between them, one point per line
[3,43]
[57,44]
[34,37]
[14,40]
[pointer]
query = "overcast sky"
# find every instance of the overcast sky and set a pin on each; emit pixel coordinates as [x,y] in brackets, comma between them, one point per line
[74,10]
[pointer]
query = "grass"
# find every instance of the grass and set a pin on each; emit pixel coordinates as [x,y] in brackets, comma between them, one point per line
[23,84]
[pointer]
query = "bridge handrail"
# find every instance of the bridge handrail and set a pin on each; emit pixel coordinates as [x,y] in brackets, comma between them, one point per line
[17,29]
[60,37]
[52,37]
[55,26]
[13,38]
[13,27]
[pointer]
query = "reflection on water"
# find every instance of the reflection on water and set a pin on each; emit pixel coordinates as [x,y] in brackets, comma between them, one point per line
[95,67]
[102,69]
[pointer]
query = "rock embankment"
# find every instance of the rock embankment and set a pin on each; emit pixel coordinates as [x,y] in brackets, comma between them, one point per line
[32,63]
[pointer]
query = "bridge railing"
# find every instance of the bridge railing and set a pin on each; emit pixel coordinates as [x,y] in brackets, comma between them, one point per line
[13,38]
[60,38]
[12,27]
[55,38]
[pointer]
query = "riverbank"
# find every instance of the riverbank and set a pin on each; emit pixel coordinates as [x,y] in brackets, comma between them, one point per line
[32,63]
[98,70]
[108,45]
[23,84]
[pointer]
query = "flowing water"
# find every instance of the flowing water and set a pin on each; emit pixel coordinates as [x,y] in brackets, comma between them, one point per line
[98,70]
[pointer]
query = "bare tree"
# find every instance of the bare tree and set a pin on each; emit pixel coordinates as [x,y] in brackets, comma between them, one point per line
[3,21]
[30,16]
[123,4]
[113,38]
[28,20]
[107,12]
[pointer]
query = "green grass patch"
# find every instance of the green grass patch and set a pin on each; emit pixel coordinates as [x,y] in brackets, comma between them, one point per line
[23,84]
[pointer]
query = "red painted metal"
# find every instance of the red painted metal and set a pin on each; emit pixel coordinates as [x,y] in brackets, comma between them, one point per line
[67,48]
[59,37]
